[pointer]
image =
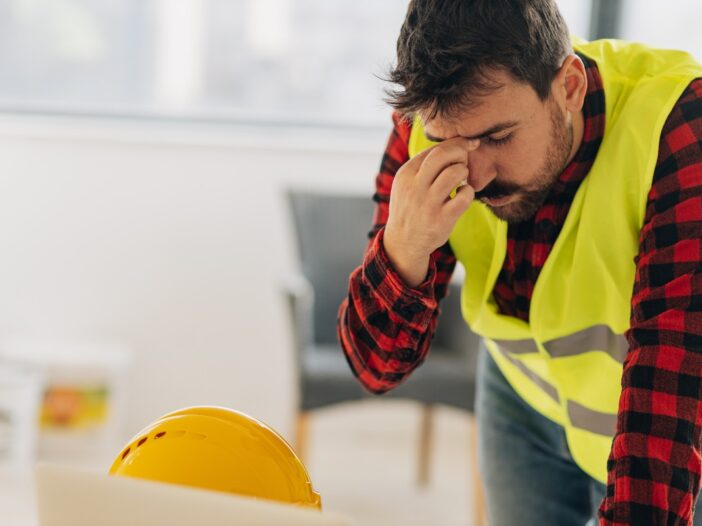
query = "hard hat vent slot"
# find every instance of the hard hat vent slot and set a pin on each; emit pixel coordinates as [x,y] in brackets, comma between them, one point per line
[141,442]
[126,452]
[159,435]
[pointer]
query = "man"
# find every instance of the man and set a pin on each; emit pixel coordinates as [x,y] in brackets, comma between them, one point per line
[567,179]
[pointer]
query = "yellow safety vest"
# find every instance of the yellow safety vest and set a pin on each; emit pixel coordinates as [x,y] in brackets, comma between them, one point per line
[567,361]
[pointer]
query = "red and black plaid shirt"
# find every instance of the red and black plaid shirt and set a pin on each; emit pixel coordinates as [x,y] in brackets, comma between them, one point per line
[654,468]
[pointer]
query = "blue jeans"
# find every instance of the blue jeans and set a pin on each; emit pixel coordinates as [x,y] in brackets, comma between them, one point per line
[529,476]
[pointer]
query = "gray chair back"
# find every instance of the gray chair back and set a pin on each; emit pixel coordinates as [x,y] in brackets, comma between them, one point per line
[332,234]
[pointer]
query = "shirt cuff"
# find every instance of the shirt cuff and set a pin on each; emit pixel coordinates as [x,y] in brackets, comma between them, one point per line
[414,304]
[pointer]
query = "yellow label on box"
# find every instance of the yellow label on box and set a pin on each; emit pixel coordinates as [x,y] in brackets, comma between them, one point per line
[74,407]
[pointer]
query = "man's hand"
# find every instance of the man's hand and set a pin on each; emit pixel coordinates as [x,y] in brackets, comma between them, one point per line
[422,215]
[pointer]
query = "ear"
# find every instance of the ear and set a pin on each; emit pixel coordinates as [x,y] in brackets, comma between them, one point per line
[569,87]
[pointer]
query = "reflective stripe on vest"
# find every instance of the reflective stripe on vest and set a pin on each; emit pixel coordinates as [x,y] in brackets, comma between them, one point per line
[597,338]
[593,421]
[546,387]
[580,416]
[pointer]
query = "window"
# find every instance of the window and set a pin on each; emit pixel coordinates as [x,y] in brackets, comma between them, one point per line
[669,24]
[300,61]
[577,16]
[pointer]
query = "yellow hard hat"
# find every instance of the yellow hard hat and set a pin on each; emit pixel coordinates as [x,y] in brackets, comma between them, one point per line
[218,449]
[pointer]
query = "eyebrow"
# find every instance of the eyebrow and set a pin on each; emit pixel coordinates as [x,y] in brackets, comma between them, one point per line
[491,131]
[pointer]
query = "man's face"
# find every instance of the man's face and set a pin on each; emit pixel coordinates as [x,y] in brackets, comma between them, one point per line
[525,144]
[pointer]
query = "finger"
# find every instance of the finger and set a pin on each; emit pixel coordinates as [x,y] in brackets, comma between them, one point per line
[442,156]
[448,180]
[462,200]
[416,161]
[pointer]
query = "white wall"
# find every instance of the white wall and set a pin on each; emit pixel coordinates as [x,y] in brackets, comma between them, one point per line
[169,238]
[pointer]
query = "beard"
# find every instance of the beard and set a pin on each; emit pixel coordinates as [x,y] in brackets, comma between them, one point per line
[531,198]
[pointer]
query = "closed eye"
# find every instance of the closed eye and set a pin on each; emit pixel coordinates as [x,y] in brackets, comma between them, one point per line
[499,140]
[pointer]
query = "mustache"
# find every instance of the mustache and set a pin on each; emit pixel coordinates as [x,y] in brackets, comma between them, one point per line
[497,189]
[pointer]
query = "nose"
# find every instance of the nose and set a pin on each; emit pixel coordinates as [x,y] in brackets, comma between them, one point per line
[481,170]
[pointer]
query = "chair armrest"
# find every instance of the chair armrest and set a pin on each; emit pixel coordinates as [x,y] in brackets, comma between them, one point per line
[299,296]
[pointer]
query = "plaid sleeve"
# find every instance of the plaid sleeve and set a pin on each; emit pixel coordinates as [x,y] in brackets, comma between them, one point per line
[384,326]
[654,465]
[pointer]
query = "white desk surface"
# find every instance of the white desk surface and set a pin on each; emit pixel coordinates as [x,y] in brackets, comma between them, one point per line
[17,499]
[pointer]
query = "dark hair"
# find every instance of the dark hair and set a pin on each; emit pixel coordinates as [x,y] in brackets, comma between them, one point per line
[447,49]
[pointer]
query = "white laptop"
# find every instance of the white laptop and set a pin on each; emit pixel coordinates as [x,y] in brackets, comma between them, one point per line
[73,497]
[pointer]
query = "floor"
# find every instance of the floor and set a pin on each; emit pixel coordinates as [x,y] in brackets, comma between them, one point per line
[363,461]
